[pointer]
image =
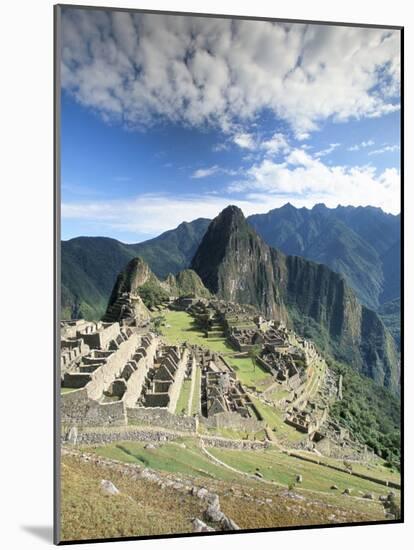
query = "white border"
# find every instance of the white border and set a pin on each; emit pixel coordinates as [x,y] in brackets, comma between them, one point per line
[26,272]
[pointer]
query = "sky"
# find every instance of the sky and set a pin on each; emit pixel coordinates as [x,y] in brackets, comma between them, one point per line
[167,119]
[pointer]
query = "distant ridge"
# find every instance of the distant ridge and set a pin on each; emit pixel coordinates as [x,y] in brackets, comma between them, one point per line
[361,243]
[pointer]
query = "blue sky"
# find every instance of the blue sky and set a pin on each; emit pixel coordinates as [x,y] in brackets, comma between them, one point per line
[166,119]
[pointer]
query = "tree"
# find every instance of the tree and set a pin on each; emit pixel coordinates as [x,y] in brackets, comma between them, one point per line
[253,352]
[158,322]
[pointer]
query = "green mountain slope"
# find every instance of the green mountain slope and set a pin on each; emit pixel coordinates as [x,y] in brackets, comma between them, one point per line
[361,243]
[137,278]
[234,262]
[90,265]
[390,313]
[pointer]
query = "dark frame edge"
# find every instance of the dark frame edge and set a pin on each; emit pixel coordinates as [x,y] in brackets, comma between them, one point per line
[233,16]
[56,272]
[402,275]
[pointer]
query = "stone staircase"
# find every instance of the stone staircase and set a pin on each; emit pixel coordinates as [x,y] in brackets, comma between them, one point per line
[118,311]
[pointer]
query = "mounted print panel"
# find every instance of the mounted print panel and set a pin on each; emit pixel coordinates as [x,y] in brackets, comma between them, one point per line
[228,274]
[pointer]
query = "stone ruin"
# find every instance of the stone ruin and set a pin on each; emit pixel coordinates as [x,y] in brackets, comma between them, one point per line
[115,372]
[164,378]
[128,308]
[223,393]
[243,339]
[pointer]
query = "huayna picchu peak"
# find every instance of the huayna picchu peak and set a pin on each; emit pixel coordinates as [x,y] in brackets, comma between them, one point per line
[235,263]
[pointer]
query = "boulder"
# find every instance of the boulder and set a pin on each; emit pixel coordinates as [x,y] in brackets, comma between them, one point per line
[334,487]
[299,478]
[149,446]
[202,493]
[200,527]
[213,500]
[228,524]
[369,496]
[109,488]
[214,514]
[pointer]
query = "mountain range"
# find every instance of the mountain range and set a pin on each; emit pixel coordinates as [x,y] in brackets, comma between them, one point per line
[360,243]
[90,265]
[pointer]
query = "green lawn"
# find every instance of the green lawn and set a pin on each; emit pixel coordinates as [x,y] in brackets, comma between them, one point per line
[274,418]
[278,393]
[195,405]
[230,433]
[182,403]
[170,457]
[281,468]
[375,469]
[272,464]
[67,390]
[181,327]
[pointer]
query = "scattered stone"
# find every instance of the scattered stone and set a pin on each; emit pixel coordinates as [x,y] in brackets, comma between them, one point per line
[202,493]
[108,487]
[214,514]
[149,446]
[258,474]
[229,525]
[269,501]
[213,500]
[369,496]
[200,527]
[346,491]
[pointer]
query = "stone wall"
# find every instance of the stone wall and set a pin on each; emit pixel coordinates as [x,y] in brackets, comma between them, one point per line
[77,409]
[101,337]
[161,417]
[103,437]
[233,421]
[175,388]
[102,377]
[237,444]
[137,378]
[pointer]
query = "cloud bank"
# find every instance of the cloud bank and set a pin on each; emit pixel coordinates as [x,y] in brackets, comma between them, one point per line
[301,177]
[143,68]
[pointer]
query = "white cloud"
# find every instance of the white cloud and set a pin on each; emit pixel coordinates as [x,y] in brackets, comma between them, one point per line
[361,145]
[205,172]
[145,214]
[244,140]
[328,150]
[305,179]
[140,68]
[220,147]
[212,170]
[276,144]
[385,149]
